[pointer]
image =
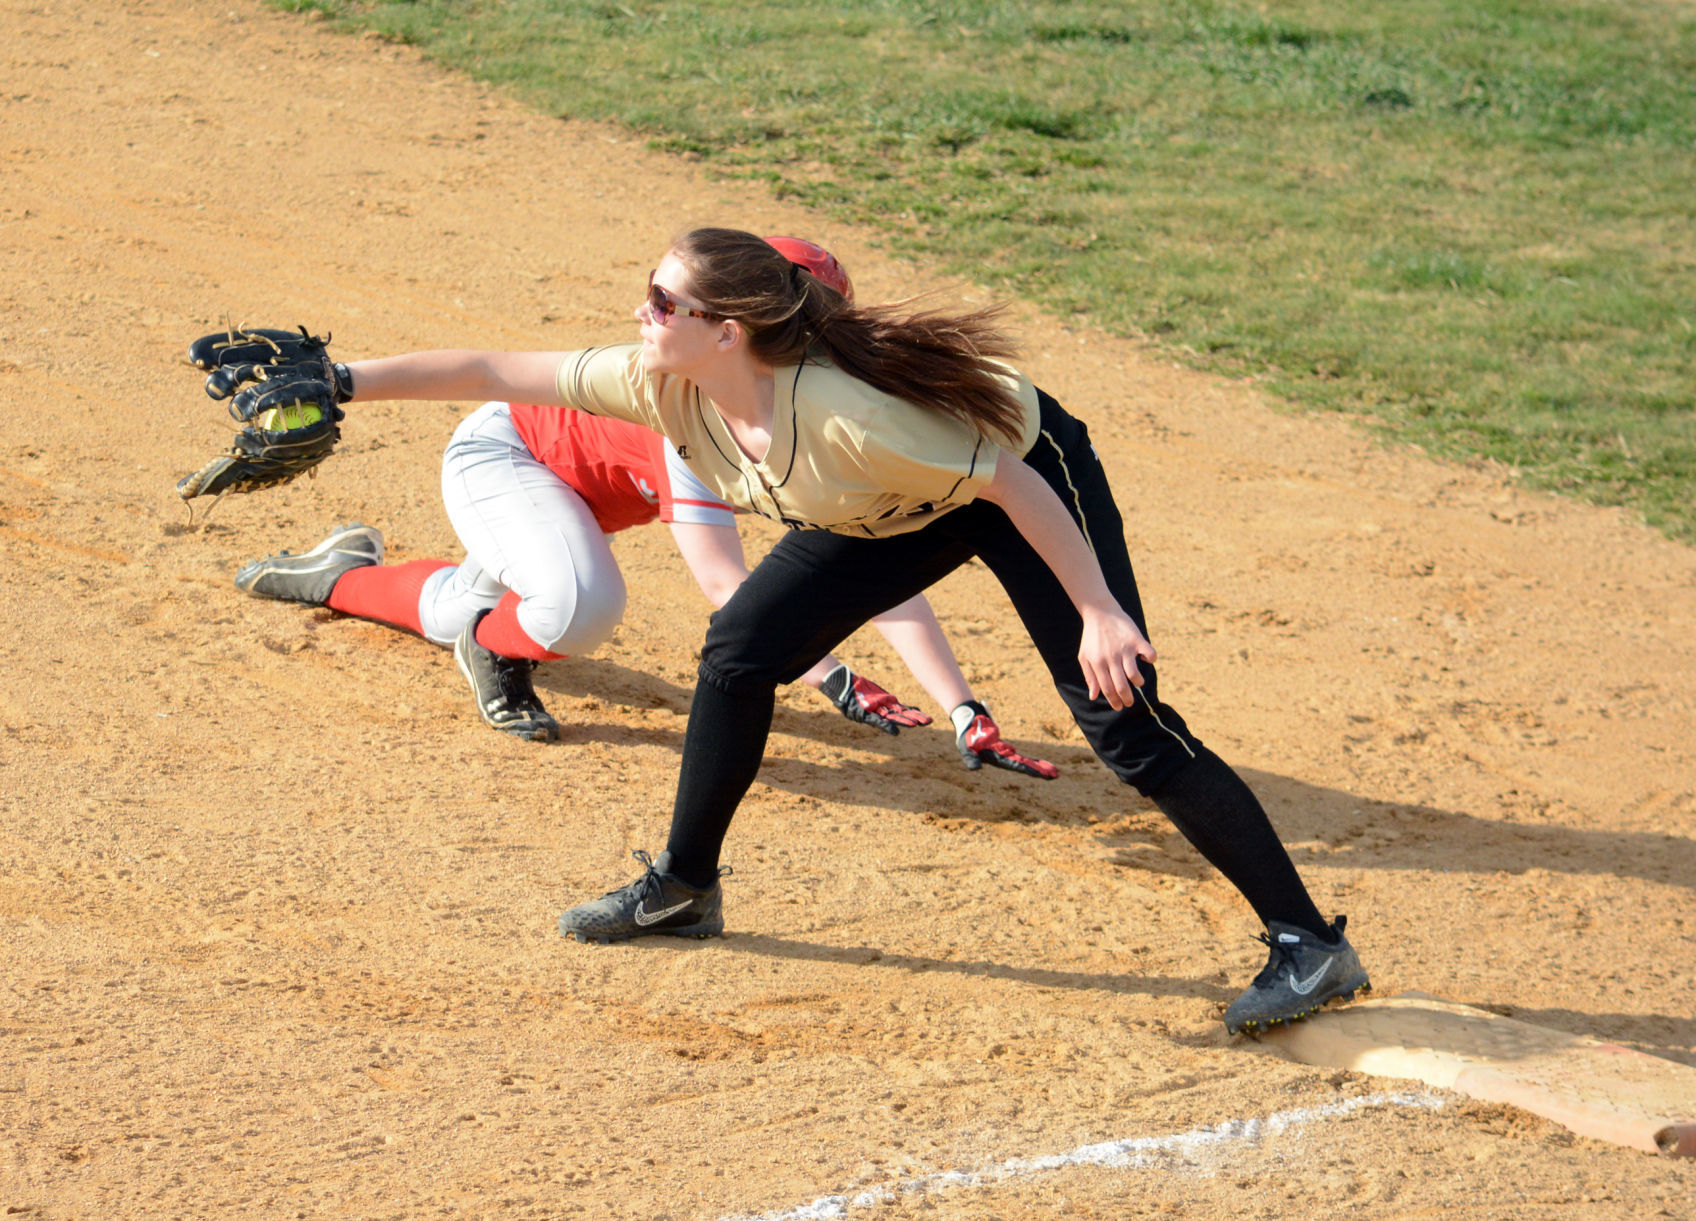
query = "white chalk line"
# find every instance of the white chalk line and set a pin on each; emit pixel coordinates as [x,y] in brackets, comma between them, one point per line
[1181,1147]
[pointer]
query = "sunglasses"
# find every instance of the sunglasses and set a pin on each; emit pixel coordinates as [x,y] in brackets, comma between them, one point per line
[662,305]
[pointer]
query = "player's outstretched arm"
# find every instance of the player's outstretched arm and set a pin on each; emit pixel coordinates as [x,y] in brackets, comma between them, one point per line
[453,374]
[714,556]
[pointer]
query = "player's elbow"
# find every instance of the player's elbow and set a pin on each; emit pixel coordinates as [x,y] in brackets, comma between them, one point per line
[719,588]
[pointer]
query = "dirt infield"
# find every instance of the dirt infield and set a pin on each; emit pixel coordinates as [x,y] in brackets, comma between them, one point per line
[278,910]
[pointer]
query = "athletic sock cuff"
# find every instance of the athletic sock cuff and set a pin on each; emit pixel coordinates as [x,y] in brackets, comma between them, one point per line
[501,634]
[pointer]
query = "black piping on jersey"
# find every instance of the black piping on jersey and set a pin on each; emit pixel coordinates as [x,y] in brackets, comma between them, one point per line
[735,464]
[929,506]
[794,428]
[1083,524]
[701,411]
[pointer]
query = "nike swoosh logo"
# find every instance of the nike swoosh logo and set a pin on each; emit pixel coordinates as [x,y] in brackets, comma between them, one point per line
[645,918]
[1299,986]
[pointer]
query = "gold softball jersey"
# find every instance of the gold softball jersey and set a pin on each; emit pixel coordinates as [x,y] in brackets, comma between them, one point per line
[844,456]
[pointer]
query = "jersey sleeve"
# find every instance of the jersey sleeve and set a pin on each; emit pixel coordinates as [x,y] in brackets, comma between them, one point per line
[683,497]
[609,381]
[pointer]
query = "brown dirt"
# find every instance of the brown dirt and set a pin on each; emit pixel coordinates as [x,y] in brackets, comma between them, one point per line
[278,911]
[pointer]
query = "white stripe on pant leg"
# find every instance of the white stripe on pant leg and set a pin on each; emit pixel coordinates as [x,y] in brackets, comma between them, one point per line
[1136,692]
[1077,500]
[1083,524]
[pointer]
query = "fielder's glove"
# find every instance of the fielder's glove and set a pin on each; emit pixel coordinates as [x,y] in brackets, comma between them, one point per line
[243,355]
[979,740]
[864,701]
[290,402]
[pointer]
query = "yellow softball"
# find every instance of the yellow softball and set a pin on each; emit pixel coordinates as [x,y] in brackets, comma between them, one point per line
[292,416]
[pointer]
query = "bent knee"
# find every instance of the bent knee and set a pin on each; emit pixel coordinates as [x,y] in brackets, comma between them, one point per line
[744,654]
[573,621]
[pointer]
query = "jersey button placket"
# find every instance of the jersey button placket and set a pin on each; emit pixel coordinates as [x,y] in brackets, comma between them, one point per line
[768,499]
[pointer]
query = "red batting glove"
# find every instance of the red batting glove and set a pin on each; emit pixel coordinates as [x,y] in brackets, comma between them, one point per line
[865,702]
[979,740]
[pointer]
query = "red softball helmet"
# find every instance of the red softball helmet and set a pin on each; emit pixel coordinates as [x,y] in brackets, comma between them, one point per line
[816,259]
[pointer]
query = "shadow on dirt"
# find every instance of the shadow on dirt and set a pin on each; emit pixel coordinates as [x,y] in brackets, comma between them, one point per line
[1357,832]
[919,772]
[869,956]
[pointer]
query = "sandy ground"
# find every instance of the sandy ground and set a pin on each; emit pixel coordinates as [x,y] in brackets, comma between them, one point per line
[278,910]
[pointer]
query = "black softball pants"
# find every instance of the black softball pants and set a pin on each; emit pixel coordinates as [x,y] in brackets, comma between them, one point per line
[814,588]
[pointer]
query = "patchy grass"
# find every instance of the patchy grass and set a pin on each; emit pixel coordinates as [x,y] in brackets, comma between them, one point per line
[1469,221]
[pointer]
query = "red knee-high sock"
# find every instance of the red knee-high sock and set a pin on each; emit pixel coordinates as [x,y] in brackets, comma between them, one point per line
[499,633]
[387,593]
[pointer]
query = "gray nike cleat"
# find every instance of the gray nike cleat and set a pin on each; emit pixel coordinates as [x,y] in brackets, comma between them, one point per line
[1299,977]
[656,902]
[311,576]
[506,700]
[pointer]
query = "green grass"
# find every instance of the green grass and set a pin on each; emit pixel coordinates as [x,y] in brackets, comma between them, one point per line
[1468,221]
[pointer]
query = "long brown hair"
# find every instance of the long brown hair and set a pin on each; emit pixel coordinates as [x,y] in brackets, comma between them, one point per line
[936,360]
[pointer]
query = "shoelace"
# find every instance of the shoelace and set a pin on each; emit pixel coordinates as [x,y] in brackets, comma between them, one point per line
[1281,955]
[648,884]
[516,692]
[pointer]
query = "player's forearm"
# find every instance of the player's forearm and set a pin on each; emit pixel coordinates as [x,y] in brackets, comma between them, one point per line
[718,588]
[713,553]
[1111,647]
[455,374]
[1038,515]
[916,636]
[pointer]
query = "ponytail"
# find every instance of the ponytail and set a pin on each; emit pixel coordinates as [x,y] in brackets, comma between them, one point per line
[936,360]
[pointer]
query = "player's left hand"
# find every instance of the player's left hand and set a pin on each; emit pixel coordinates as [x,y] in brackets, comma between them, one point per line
[1111,653]
[863,701]
[980,743]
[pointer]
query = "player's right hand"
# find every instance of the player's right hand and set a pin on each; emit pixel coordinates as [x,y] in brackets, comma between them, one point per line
[980,743]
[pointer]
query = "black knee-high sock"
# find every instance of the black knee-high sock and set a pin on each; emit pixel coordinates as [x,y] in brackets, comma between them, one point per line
[722,751]
[1225,821]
